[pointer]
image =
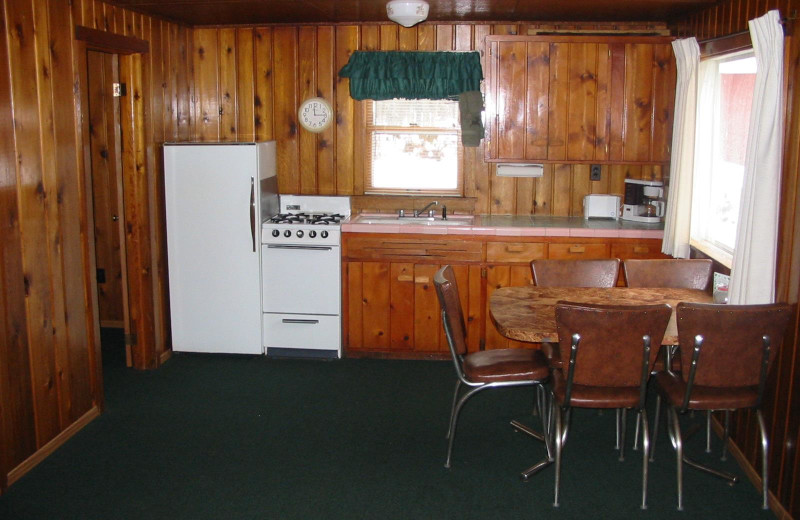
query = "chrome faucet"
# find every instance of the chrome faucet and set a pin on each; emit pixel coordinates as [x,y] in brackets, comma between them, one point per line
[418,212]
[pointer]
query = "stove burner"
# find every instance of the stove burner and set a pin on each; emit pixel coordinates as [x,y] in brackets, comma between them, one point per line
[306,218]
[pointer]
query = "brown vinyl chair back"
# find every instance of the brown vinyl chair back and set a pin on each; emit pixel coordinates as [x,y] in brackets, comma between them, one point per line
[668,272]
[575,273]
[727,345]
[609,349]
[455,328]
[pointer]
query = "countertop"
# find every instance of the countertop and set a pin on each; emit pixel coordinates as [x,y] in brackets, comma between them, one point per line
[521,226]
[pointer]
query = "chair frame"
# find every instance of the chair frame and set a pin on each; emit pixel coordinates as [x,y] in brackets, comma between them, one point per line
[674,430]
[562,417]
[475,387]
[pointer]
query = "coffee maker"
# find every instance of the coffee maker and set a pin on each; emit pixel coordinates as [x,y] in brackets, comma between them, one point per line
[644,201]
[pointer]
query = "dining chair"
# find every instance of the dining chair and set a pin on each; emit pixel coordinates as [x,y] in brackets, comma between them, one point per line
[590,379]
[601,273]
[677,273]
[487,368]
[693,273]
[727,352]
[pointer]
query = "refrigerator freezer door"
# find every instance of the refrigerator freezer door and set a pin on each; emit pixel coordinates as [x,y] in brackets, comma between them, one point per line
[214,276]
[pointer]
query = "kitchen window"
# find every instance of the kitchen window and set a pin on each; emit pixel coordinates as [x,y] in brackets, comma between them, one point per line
[725,97]
[413,146]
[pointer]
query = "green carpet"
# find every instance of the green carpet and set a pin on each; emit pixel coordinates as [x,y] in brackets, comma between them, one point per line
[240,437]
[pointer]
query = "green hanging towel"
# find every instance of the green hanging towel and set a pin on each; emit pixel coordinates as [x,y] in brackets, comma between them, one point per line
[470,106]
[412,75]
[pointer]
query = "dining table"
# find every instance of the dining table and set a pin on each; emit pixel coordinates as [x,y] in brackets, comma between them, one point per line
[528,313]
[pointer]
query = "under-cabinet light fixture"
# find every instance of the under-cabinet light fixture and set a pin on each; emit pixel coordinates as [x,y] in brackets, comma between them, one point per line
[407,12]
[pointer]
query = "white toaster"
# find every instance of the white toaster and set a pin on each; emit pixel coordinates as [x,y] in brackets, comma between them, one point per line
[601,206]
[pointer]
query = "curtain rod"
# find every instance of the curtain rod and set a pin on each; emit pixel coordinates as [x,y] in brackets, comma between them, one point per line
[742,34]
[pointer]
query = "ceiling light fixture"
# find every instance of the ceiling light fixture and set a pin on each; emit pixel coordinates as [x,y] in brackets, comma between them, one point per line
[407,12]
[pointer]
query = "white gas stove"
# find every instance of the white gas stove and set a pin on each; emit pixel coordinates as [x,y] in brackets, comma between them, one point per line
[301,276]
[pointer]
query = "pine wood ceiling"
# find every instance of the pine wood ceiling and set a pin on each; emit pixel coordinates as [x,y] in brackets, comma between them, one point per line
[237,12]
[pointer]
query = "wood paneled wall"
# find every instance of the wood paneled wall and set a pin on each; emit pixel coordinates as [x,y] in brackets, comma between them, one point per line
[250,81]
[782,401]
[50,382]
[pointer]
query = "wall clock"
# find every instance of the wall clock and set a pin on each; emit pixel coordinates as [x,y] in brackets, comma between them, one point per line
[315,114]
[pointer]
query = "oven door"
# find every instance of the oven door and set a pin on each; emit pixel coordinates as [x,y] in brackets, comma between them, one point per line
[301,279]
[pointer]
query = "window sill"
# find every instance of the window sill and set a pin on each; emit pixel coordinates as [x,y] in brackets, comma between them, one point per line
[723,257]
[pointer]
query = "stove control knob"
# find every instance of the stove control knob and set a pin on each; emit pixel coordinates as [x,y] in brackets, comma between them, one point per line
[287,233]
[299,233]
[324,234]
[275,232]
[312,234]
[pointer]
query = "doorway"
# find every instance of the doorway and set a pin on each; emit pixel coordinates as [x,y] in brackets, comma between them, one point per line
[105,144]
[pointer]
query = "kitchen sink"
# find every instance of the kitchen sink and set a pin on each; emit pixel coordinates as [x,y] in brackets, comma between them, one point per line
[453,220]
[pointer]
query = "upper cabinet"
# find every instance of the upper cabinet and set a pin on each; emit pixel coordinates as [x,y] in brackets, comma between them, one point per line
[598,99]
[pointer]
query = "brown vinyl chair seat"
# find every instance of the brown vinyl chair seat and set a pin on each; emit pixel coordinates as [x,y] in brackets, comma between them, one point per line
[490,366]
[589,396]
[674,388]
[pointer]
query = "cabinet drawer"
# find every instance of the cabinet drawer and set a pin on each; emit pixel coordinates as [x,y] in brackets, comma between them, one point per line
[371,248]
[644,249]
[578,250]
[515,251]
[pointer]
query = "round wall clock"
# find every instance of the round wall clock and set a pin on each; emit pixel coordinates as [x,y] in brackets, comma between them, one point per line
[315,114]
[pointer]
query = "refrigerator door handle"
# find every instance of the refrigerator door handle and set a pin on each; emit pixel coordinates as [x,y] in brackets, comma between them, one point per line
[253,211]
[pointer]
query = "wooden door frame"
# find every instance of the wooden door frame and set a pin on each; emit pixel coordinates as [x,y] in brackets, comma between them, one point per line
[135,194]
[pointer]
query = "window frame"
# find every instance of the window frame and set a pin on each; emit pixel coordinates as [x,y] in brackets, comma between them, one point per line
[717,50]
[371,128]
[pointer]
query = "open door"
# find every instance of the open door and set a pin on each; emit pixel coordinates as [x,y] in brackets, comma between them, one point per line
[107,192]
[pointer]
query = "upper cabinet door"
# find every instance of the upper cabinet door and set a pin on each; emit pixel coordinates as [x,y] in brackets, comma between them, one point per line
[579,99]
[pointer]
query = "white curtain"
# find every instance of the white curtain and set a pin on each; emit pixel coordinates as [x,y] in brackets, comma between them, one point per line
[755,254]
[679,199]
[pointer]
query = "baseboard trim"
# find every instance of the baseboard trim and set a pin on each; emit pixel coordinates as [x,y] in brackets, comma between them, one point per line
[752,474]
[45,451]
[164,357]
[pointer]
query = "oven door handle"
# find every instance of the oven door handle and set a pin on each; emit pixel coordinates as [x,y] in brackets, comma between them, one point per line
[253,211]
[291,320]
[313,248]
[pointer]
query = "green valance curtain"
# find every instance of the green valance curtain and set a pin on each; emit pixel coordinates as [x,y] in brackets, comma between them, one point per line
[412,75]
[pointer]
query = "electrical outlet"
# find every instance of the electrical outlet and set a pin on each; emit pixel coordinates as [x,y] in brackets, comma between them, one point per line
[594,172]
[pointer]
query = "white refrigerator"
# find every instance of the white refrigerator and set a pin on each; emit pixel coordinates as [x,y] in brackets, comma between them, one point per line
[217,196]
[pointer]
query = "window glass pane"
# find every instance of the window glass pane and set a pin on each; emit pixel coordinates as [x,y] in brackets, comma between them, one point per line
[414,161]
[416,112]
[723,118]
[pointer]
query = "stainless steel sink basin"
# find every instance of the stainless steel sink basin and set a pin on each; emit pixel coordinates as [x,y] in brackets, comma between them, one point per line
[454,220]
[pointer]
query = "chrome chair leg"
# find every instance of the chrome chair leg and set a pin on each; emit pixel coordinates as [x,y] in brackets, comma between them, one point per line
[452,433]
[622,427]
[727,435]
[559,438]
[636,433]
[764,459]
[453,407]
[675,436]
[616,419]
[655,429]
[708,431]
[642,417]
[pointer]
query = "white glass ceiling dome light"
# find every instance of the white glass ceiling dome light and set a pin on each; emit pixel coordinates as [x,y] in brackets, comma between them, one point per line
[407,12]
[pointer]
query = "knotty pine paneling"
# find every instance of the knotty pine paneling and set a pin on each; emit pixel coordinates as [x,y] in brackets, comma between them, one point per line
[283,65]
[782,399]
[49,346]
